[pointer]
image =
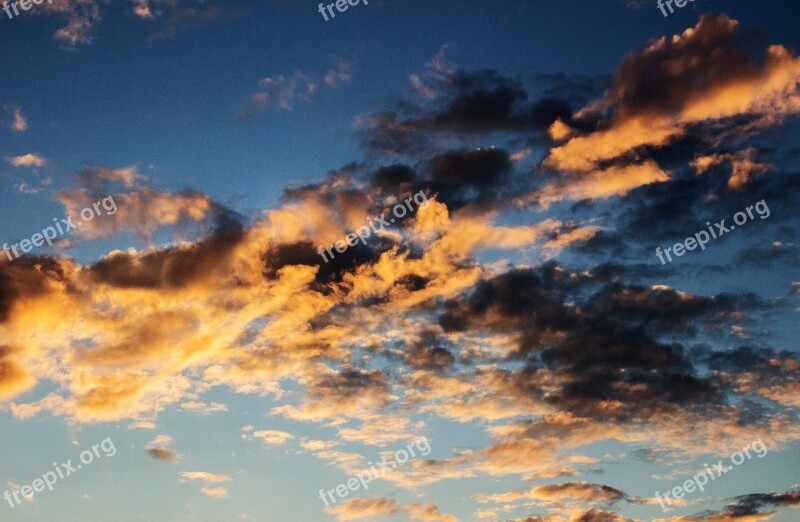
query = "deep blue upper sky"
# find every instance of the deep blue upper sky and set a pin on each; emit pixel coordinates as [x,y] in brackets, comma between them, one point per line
[172,102]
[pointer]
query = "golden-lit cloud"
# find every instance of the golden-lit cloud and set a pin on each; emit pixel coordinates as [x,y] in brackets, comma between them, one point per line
[364,508]
[598,184]
[273,437]
[27,160]
[744,167]
[205,476]
[661,91]
[428,513]
[217,492]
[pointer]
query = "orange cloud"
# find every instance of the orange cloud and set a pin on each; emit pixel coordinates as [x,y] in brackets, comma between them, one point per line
[361,508]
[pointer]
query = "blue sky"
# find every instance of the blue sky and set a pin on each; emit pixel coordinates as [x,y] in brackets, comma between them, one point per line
[520,320]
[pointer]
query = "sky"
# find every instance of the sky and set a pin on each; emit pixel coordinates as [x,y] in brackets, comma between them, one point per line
[521,261]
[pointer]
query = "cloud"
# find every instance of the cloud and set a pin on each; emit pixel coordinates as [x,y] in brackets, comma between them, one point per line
[203,408]
[745,508]
[156,449]
[283,91]
[161,440]
[27,160]
[273,437]
[13,377]
[750,504]
[28,189]
[82,17]
[340,74]
[460,103]
[143,9]
[362,508]
[162,454]
[613,181]
[205,476]
[170,16]
[436,70]
[208,478]
[744,167]
[139,209]
[215,492]
[429,513]
[278,92]
[20,124]
[317,445]
[579,491]
[174,18]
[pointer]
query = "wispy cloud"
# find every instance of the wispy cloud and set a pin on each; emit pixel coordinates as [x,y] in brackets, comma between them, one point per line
[19,124]
[340,74]
[283,91]
[82,17]
[278,92]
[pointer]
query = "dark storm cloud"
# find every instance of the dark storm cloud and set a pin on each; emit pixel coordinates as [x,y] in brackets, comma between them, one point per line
[286,254]
[165,454]
[485,101]
[388,133]
[472,103]
[349,382]
[637,272]
[739,360]
[173,267]
[478,102]
[457,177]
[281,255]
[479,168]
[354,257]
[768,372]
[666,77]
[752,503]
[462,177]
[430,353]
[602,339]
[392,176]
[749,507]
